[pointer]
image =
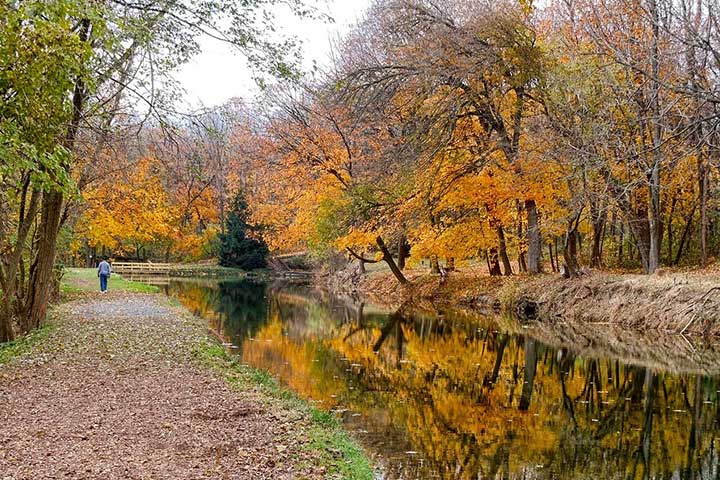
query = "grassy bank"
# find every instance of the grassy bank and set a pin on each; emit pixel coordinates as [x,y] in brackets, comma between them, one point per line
[24,344]
[76,280]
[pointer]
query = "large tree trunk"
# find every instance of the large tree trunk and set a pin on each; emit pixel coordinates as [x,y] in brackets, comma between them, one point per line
[640,230]
[41,272]
[533,236]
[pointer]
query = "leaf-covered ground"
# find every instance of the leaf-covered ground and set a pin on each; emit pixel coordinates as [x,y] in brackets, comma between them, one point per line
[120,387]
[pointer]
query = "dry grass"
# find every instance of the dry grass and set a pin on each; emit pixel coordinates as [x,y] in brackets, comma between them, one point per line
[675,303]
[679,302]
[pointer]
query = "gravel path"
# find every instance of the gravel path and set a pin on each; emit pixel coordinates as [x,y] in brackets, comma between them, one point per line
[116,392]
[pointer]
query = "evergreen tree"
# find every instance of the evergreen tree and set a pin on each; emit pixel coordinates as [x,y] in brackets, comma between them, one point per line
[237,249]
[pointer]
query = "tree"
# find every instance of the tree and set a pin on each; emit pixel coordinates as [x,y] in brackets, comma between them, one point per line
[71,73]
[469,72]
[237,247]
[475,129]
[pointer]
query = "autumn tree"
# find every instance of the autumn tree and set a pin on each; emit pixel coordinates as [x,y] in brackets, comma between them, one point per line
[469,66]
[472,130]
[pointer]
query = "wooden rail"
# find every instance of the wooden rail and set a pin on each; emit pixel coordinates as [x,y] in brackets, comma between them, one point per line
[143,268]
[290,255]
[133,269]
[176,269]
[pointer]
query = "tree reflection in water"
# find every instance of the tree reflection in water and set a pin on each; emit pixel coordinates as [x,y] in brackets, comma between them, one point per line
[472,398]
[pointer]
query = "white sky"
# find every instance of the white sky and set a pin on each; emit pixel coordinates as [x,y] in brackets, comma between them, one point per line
[218,74]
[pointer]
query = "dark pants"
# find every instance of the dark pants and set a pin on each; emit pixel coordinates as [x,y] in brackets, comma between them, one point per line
[103,282]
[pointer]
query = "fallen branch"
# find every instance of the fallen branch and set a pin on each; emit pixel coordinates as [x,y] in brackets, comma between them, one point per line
[360,257]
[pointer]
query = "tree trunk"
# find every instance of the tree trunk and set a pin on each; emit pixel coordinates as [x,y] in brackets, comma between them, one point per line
[11,266]
[598,217]
[6,332]
[450,264]
[552,258]
[402,252]
[387,256]
[41,272]
[570,253]
[522,265]
[434,265]
[570,246]
[502,250]
[494,263]
[683,239]
[533,236]
[640,230]
[654,190]
[654,252]
[703,184]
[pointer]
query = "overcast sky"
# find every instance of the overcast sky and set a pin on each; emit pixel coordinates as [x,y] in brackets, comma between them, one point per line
[218,74]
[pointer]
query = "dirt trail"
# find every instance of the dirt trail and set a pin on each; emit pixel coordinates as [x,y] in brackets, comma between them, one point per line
[116,392]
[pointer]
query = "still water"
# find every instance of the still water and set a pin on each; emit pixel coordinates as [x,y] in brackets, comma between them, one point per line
[450,396]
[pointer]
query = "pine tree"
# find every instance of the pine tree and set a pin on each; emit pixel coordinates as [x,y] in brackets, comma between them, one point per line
[237,249]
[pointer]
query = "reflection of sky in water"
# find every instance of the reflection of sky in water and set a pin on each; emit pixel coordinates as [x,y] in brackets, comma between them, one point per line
[454,397]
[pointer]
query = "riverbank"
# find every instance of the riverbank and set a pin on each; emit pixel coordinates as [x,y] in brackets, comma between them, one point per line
[677,302]
[129,385]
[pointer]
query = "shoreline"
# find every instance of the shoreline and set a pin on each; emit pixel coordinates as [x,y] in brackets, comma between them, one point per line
[687,302]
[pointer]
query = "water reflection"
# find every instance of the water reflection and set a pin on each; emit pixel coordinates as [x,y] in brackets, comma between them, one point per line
[449,396]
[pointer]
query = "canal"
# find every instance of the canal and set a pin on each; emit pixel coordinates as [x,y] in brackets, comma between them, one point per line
[452,395]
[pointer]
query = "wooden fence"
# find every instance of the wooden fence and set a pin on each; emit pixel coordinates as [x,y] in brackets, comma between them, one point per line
[170,269]
[133,269]
[143,268]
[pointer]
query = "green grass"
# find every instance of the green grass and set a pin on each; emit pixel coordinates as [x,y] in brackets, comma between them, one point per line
[23,344]
[341,456]
[76,280]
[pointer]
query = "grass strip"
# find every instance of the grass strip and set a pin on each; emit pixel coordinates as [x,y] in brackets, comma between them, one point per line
[16,348]
[77,280]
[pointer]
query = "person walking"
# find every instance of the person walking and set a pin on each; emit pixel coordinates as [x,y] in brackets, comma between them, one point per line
[104,271]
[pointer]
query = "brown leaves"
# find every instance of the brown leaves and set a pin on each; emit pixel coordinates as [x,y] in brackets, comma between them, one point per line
[118,394]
